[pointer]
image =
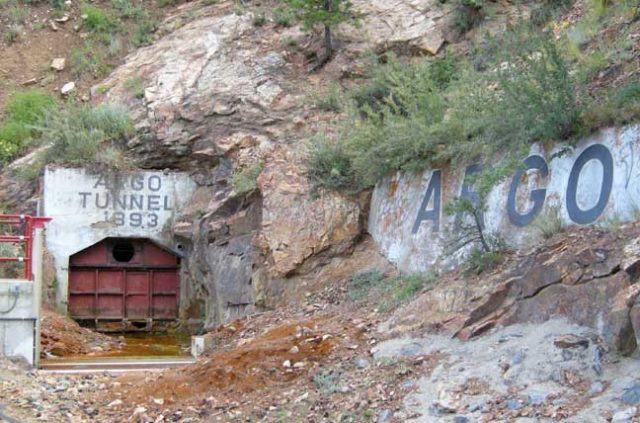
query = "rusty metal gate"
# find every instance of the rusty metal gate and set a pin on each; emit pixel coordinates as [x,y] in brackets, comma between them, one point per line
[124,279]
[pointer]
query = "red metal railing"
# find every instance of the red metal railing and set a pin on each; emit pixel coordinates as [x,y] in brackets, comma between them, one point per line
[26,224]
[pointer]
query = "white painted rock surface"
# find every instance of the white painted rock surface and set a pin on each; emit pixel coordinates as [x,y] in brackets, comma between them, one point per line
[594,183]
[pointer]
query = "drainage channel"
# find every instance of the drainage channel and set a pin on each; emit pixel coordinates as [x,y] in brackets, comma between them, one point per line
[141,352]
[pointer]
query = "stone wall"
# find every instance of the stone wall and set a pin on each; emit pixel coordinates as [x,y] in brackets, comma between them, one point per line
[594,182]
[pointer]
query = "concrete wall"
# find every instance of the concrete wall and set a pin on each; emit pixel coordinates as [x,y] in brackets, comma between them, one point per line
[595,182]
[17,319]
[87,207]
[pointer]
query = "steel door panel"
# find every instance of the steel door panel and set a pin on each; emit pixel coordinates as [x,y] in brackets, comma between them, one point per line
[138,282]
[164,307]
[166,282]
[165,294]
[138,301]
[110,282]
[110,307]
[82,286]
[137,307]
[82,281]
[82,306]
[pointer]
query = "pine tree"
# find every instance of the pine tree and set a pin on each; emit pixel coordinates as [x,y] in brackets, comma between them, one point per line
[325,12]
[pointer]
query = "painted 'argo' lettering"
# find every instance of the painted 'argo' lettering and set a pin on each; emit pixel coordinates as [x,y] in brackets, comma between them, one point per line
[537,196]
[603,155]
[433,190]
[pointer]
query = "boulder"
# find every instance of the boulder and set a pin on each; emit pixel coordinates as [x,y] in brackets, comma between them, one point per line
[403,24]
[296,225]
[58,64]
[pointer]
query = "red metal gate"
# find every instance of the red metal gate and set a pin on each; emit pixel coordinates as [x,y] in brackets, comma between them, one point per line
[17,229]
[124,279]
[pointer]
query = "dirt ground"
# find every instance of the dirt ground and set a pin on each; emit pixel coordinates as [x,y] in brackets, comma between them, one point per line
[44,35]
[312,366]
[62,337]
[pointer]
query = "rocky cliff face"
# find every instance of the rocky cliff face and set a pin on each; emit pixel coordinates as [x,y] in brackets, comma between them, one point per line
[588,276]
[220,96]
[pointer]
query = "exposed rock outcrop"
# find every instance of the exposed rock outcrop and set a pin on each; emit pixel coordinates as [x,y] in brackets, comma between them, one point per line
[220,96]
[587,277]
[417,25]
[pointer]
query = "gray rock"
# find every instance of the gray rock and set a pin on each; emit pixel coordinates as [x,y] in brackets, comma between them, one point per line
[624,416]
[407,384]
[537,398]
[460,419]
[476,407]
[385,415]
[361,363]
[631,396]
[597,360]
[596,388]
[68,88]
[517,358]
[411,350]
[438,409]
[514,404]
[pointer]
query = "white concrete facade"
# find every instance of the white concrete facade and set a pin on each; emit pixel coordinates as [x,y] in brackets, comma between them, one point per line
[18,319]
[87,207]
[596,181]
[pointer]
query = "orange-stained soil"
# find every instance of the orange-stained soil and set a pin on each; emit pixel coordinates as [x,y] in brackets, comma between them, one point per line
[62,337]
[257,364]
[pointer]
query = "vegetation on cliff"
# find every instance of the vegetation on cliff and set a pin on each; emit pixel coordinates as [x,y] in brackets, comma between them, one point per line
[527,85]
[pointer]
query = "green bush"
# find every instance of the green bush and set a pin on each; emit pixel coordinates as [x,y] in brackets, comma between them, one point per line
[245,180]
[385,129]
[330,100]
[327,382]
[468,14]
[143,34]
[13,137]
[11,35]
[18,14]
[284,17]
[389,293]
[414,116]
[23,111]
[83,136]
[97,20]
[126,9]
[29,107]
[619,106]
[535,99]
[407,287]
[627,95]
[361,283]
[91,58]
[135,86]
[57,4]
[329,166]
[479,261]
[549,9]
[259,19]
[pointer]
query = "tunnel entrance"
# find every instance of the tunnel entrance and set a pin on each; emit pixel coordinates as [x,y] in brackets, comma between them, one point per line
[124,284]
